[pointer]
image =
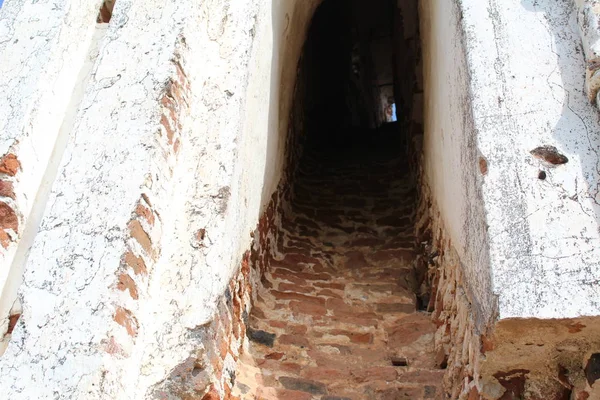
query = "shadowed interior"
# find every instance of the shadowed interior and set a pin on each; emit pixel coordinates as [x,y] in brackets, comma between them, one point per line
[338,316]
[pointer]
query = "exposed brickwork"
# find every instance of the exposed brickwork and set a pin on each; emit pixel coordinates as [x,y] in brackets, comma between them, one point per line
[209,375]
[127,283]
[525,358]
[292,273]
[12,322]
[105,13]
[133,271]
[136,263]
[459,346]
[7,189]
[336,316]
[175,103]
[9,165]
[126,319]
[144,229]
[10,219]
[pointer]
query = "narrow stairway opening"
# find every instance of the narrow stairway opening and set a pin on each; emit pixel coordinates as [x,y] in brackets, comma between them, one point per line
[340,315]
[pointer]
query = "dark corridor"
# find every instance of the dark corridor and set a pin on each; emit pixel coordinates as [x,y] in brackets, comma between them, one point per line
[347,71]
[341,302]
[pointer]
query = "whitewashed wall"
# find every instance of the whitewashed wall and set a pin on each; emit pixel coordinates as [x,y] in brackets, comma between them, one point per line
[240,59]
[43,48]
[450,146]
[503,78]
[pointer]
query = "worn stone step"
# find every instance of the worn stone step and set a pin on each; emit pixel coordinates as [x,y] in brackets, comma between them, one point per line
[336,317]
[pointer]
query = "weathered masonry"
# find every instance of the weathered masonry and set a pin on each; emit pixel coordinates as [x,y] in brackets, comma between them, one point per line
[215,199]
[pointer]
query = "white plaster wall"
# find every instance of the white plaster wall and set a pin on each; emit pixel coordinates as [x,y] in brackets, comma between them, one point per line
[43,46]
[241,62]
[523,86]
[555,272]
[291,20]
[486,93]
[237,142]
[14,277]
[67,293]
[450,153]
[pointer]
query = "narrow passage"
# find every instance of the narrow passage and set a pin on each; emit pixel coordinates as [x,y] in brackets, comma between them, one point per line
[337,318]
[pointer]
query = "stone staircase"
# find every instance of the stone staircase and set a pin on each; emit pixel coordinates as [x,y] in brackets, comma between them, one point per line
[337,317]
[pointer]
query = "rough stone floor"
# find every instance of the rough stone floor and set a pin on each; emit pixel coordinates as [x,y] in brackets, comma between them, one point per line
[337,319]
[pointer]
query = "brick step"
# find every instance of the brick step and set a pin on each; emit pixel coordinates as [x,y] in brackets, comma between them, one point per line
[336,317]
[368,383]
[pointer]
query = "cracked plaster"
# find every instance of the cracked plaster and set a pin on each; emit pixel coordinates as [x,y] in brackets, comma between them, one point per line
[240,59]
[502,79]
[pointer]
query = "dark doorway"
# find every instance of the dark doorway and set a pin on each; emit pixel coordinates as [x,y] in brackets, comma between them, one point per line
[348,62]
